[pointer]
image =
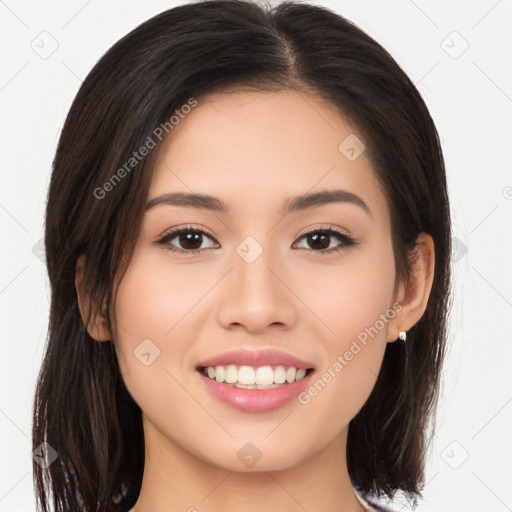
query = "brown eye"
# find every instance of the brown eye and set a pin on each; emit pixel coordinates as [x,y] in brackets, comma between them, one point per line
[186,240]
[190,241]
[321,240]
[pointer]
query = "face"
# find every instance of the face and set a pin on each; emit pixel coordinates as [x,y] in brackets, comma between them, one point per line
[255,277]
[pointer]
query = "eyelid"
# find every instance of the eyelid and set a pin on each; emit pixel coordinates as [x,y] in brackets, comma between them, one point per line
[187,227]
[176,231]
[325,227]
[344,238]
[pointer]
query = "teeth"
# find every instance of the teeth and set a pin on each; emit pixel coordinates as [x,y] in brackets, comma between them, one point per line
[248,377]
[231,374]
[300,374]
[265,376]
[255,386]
[280,374]
[218,373]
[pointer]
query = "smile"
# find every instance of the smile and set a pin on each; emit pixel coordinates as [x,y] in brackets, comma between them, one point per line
[248,377]
[255,381]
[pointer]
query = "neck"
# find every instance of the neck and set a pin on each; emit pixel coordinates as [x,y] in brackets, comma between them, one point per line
[174,479]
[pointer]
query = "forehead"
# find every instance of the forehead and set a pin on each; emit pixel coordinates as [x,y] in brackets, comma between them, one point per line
[245,147]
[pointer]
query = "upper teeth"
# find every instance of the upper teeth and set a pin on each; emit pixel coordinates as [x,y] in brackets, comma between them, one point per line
[263,375]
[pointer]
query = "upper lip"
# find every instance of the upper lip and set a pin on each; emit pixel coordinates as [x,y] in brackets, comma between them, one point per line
[255,359]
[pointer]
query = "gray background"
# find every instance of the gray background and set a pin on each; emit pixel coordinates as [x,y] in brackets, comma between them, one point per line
[459,56]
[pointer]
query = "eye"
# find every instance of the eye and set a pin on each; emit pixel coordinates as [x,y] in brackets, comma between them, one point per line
[189,240]
[322,238]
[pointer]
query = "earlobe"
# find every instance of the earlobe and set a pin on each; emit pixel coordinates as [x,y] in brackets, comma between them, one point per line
[414,297]
[98,325]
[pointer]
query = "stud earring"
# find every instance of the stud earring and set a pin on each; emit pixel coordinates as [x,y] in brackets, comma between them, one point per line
[403,336]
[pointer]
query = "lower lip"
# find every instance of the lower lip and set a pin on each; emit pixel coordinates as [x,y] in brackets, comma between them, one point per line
[256,400]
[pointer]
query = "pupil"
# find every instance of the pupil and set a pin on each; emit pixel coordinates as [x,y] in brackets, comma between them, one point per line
[322,244]
[191,238]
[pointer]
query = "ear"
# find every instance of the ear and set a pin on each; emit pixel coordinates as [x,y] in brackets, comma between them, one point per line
[98,327]
[414,296]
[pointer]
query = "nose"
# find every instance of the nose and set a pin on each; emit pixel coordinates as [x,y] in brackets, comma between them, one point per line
[256,295]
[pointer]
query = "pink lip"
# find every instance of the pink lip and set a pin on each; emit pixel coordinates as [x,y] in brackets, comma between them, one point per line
[256,400]
[255,359]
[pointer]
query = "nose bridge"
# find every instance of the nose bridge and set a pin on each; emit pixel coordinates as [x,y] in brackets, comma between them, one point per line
[252,274]
[255,297]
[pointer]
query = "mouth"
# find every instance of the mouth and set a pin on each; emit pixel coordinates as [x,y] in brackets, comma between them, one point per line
[249,377]
[255,381]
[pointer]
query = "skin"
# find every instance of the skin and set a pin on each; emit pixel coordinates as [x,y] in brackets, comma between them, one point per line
[254,150]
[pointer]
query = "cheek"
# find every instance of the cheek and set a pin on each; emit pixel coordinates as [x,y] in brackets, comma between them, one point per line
[155,296]
[155,314]
[155,302]
[355,309]
[352,295]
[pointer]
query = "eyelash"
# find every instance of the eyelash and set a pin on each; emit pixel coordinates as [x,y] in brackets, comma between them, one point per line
[346,240]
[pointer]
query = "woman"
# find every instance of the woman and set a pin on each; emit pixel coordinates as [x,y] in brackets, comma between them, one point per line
[248,242]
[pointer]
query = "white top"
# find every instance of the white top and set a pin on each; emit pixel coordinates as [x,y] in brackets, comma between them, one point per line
[363,503]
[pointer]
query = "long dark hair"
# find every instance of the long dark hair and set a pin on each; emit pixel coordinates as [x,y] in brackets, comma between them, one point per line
[82,408]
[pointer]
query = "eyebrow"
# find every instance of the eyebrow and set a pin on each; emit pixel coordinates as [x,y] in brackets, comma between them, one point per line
[207,202]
